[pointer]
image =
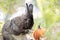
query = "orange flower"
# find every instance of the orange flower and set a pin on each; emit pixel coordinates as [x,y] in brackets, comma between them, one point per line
[38,33]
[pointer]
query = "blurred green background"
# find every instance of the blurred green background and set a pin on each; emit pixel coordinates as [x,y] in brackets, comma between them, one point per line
[49,18]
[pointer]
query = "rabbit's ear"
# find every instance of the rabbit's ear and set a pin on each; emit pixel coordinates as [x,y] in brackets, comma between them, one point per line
[27,7]
[30,8]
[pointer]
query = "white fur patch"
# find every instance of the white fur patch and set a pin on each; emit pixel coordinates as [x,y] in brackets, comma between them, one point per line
[24,37]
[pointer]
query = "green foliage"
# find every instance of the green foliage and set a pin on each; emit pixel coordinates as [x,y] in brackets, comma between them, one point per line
[4,5]
[49,11]
[8,6]
[51,14]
